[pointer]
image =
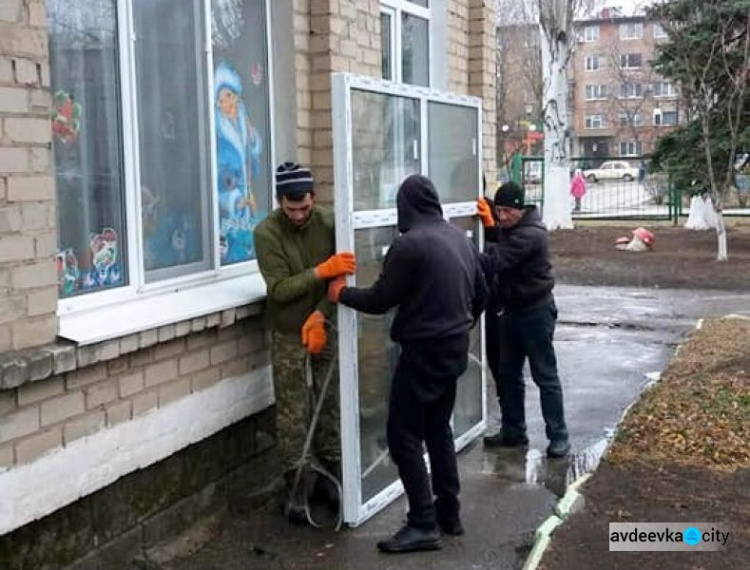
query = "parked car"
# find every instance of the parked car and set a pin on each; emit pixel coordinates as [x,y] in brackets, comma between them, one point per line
[612,170]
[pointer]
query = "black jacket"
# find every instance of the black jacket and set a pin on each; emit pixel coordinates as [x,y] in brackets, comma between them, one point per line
[516,262]
[431,272]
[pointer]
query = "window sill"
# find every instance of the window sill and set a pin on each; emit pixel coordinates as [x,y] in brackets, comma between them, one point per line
[154,311]
[107,333]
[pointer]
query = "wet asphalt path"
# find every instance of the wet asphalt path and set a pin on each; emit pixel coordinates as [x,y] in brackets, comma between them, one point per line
[609,341]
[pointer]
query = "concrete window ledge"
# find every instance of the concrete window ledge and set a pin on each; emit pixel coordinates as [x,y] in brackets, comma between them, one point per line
[33,365]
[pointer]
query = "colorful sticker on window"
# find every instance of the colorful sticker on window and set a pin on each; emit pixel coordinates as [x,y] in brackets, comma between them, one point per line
[238,149]
[66,120]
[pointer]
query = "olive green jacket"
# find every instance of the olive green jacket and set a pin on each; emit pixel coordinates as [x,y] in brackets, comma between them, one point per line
[287,256]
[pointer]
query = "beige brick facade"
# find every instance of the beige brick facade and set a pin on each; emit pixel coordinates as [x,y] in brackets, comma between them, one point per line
[54,393]
[40,416]
[27,190]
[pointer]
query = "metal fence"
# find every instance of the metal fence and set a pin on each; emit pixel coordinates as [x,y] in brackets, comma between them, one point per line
[622,188]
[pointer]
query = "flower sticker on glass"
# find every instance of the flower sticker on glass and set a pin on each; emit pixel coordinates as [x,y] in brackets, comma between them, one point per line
[66,118]
[68,275]
[105,270]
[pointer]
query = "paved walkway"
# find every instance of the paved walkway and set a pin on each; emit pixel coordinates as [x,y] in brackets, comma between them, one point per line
[609,341]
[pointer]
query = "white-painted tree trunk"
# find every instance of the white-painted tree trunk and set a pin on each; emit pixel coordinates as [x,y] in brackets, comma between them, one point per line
[555,35]
[721,236]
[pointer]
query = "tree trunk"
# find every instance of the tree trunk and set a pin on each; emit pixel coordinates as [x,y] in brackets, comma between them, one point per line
[555,55]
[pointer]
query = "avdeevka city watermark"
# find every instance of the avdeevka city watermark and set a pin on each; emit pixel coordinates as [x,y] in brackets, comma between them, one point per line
[634,537]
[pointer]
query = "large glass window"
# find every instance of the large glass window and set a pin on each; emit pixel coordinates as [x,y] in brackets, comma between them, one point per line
[242,123]
[454,144]
[405,41]
[415,55]
[87,141]
[173,137]
[385,146]
[163,120]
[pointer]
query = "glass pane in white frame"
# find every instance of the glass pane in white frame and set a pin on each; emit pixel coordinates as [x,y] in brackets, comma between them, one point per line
[363,497]
[174,157]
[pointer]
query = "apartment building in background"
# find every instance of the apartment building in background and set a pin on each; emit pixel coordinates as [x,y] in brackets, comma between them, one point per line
[619,104]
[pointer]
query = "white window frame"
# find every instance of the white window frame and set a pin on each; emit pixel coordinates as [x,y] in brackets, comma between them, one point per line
[595,92]
[671,91]
[626,57]
[635,91]
[631,144]
[637,120]
[355,510]
[659,32]
[590,61]
[91,317]
[627,27]
[396,9]
[591,34]
[594,122]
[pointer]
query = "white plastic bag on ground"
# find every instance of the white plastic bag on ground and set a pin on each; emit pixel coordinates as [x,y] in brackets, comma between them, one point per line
[702,215]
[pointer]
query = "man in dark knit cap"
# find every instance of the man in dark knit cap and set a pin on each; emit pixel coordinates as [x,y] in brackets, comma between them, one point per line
[517,267]
[432,275]
[297,256]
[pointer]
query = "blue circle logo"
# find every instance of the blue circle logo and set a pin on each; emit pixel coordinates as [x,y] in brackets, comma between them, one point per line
[691,536]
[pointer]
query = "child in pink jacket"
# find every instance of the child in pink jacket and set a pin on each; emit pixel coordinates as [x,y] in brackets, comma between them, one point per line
[578,188]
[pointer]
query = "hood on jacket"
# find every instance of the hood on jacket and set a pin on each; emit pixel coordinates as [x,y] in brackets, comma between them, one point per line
[417,202]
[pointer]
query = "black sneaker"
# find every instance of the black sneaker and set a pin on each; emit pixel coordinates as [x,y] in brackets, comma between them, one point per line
[411,539]
[506,439]
[558,448]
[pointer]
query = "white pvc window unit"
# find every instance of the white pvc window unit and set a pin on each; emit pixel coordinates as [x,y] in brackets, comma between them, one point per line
[631,30]
[406,34]
[596,92]
[163,156]
[594,122]
[593,62]
[384,132]
[591,34]
[631,148]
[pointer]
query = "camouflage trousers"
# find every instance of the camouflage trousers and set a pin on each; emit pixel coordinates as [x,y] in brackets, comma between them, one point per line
[295,400]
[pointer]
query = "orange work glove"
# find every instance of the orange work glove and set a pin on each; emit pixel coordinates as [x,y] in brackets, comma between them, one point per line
[335,287]
[485,213]
[337,265]
[314,333]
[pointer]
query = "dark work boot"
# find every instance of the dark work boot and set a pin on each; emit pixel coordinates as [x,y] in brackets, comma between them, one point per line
[295,501]
[504,438]
[411,539]
[450,525]
[558,448]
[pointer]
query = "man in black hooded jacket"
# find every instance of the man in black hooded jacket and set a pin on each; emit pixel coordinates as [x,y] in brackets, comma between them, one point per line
[518,269]
[432,274]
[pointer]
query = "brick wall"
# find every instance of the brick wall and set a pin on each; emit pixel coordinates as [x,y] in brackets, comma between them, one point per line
[483,77]
[330,36]
[38,417]
[28,292]
[458,46]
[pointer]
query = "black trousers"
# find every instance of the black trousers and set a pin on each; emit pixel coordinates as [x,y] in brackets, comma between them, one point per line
[512,337]
[423,394]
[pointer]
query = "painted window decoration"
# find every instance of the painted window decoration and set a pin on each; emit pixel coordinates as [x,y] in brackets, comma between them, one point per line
[242,123]
[87,145]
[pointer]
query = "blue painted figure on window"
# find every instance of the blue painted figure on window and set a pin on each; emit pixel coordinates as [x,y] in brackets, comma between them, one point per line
[238,148]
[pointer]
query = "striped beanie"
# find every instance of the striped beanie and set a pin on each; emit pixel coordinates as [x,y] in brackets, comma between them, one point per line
[293,180]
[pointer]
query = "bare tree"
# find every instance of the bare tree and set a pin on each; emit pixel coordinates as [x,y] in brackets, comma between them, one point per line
[557,35]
